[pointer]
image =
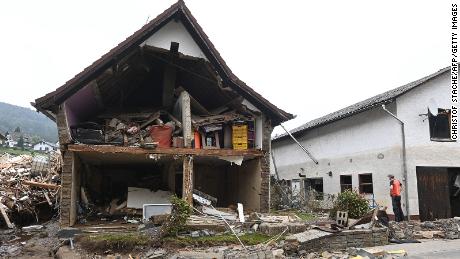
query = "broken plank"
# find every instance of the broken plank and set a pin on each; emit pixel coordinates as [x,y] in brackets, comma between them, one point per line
[171,117]
[247,153]
[48,199]
[41,185]
[5,216]
[150,120]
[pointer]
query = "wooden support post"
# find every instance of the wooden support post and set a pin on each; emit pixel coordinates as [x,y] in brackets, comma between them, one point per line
[184,99]
[169,77]
[187,184]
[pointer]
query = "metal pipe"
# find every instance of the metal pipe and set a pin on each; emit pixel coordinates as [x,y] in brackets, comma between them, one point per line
[274,165]
[300,145]
[403,135]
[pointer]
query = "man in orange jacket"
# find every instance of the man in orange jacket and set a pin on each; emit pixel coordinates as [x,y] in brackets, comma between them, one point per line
[395,193]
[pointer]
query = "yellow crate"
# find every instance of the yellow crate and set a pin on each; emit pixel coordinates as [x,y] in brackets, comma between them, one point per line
[240,146]
[238,129]
[240,141]
[245,127]
[245,136]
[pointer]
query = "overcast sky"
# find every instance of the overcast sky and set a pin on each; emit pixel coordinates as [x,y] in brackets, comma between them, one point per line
[309,58]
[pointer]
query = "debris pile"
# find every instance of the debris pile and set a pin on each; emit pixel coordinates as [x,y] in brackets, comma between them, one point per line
[284,196]
[130,129]
[29,188]
[441,228]
[161,128]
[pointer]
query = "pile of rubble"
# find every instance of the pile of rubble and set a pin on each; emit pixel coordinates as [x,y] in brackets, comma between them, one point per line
[158,128]
[29,188]
[441,228]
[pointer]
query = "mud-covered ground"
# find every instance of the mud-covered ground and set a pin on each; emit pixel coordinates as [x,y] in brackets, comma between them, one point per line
[17,243]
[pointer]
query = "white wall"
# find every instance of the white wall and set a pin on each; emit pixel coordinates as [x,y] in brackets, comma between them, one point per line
[347,147]
[175,32]
[421,151]
[42,147]
[364,136]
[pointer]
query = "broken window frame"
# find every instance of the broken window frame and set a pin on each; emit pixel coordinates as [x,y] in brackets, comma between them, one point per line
[433,125]
[363,186]
[310,184]
[346,186]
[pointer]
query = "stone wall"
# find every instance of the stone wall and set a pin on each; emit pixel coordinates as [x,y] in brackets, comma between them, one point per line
[318,241]
[66,189]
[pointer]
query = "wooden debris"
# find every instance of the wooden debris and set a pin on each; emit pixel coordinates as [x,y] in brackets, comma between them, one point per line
[27,182]
[41,185]
[5,216]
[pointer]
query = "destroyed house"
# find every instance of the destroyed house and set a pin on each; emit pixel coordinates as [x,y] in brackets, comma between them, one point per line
[160,114]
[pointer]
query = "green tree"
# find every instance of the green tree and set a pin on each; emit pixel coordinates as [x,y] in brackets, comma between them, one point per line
[18,130]
[21,142]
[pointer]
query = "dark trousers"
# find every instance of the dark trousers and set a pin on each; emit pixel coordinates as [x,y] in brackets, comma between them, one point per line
[396,202]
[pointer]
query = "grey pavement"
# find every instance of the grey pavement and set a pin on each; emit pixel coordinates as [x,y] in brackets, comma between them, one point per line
[445,249]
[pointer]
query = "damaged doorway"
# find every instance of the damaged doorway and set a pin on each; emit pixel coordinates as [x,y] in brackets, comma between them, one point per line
[438,192]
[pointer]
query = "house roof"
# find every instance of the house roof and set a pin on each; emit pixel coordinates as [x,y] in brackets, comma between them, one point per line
[176,11]
[45,143]
[362,106]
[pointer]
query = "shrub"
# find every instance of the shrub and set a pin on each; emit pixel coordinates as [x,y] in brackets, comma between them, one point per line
[351,201]
[181,211]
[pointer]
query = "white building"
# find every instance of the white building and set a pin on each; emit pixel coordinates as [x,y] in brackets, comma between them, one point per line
[360,145]
[44,146]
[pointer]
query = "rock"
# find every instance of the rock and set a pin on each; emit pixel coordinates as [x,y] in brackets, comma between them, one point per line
[399,234]
[195,234]
[156,254]
[427,234]
[352,251]
[438,234]
[451,235]
[311,256]
[302,252]
[141,227]
[64,252]
[13,250]
[43,234]
[203,254]
[326,254]
[278,253]
[428,224]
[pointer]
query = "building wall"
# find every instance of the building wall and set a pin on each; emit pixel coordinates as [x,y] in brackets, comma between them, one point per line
[176,32]
[421,151]
[355,145]
[346,147]
[43,146]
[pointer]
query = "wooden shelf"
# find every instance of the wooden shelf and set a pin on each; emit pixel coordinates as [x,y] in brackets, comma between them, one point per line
[250,153]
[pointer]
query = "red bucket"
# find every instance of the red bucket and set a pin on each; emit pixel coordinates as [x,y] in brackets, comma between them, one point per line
[162,135]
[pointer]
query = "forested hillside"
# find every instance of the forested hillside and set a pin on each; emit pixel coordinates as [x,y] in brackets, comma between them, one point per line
[28,120]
